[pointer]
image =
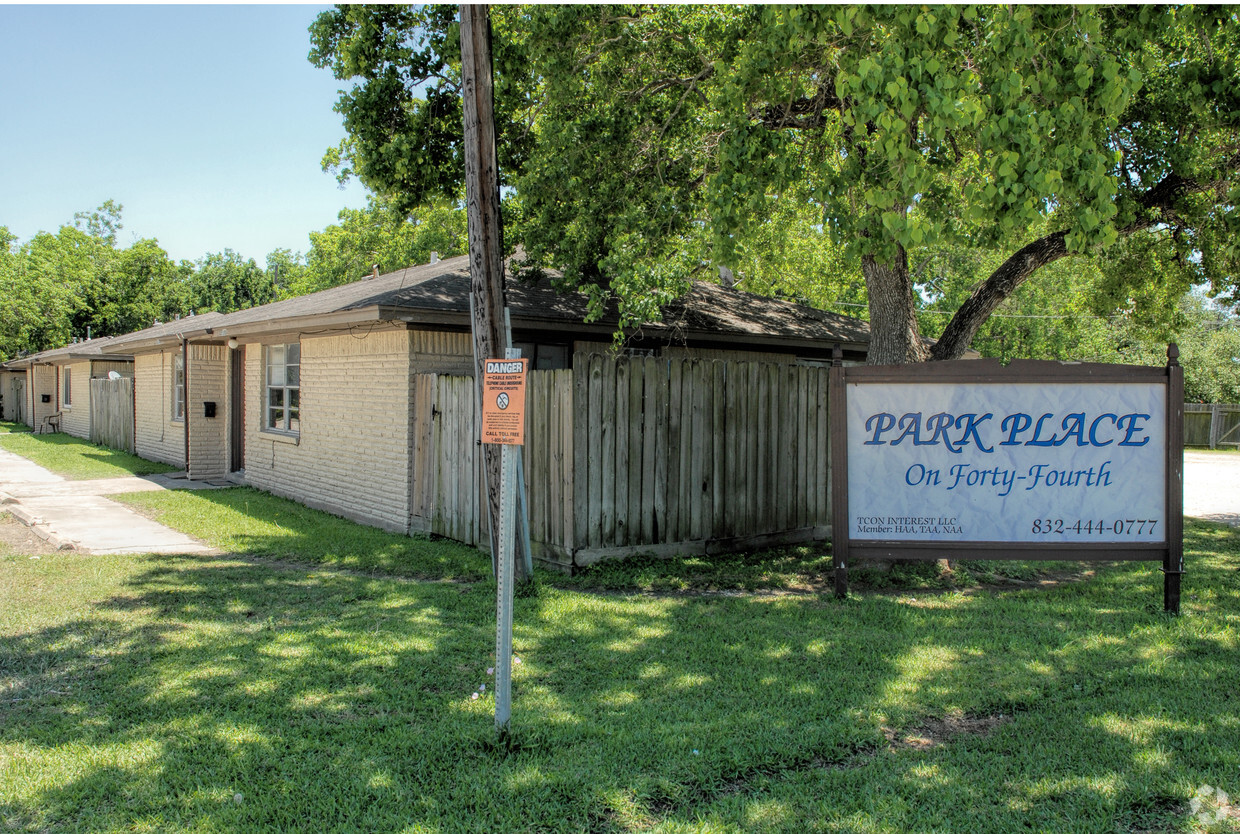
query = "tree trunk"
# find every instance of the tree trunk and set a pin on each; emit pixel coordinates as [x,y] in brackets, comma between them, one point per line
[894,337]
[996,289]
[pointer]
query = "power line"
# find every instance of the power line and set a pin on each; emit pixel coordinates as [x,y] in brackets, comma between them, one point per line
[992,315]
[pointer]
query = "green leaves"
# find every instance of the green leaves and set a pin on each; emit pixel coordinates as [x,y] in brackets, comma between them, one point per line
[381,235]
[645,145]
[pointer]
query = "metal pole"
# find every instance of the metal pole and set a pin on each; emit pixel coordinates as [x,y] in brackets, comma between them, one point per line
[486,470]
[510,498]
[504,595]
[523,516]
[523,510]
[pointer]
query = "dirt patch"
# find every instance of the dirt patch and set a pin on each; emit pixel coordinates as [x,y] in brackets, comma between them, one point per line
[938,731]
[18,539]
[824,585]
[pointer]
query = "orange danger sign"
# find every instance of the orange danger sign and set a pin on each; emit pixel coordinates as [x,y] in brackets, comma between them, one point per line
[503,401]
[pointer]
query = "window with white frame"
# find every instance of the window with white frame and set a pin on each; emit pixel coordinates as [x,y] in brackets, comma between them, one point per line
[283,404]
[67,399]
[178,387]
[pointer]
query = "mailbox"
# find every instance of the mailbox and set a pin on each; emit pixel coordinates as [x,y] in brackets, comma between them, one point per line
[47,398]
[208,409]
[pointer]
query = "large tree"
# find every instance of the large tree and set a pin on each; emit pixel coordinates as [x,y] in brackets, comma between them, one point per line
[226,281]
[647,145]
[382,236]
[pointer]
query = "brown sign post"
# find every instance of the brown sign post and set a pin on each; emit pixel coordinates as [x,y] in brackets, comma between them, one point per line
[1033,460]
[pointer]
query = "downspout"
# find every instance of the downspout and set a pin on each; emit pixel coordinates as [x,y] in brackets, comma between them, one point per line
[185,414]
[163,403]
[133,410]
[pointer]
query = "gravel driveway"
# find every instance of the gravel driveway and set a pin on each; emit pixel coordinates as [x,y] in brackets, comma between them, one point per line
[1212,486]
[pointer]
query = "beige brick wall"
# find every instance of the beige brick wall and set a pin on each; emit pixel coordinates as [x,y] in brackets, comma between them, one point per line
[156,435]
[351,457]
[41,380]
[76,415]
[208,436]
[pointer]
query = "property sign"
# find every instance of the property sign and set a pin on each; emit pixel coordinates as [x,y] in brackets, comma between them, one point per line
[969,462]
[503,401]
[1036,460]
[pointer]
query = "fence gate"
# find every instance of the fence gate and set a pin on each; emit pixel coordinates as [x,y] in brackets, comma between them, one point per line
[447,497]
[1211,424]
[446,484]
[111,413]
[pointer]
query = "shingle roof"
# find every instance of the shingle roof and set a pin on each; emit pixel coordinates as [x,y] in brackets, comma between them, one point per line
[440,293]
[89,349]
[167,330]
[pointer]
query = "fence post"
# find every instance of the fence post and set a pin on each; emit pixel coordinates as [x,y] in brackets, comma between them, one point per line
[838,468]
[1173,560]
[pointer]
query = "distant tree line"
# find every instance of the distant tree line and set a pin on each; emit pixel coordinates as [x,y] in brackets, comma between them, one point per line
[82,281]
[58,287]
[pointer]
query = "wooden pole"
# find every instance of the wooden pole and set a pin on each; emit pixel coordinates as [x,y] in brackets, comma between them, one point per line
[486,260]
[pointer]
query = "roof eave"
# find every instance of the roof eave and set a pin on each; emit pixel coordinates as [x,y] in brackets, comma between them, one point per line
[312,322]
[153,342]
[65,359]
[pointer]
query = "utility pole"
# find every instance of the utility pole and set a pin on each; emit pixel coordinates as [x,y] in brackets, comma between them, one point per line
[486,251]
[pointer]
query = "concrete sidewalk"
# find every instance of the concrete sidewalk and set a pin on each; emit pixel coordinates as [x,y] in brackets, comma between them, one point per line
[75,514]
[1212,486]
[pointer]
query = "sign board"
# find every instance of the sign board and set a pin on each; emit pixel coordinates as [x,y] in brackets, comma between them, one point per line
[503,401]
[1036,460]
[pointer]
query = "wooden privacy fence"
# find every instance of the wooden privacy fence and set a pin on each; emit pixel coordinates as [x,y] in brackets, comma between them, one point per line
[448,497]
[1211,424]
[684,456]
[638,455]
[447,494]
[111,413]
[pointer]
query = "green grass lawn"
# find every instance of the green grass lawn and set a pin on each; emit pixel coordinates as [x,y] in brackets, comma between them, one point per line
[74,458]
[244,521]
[10,428]
[144,693]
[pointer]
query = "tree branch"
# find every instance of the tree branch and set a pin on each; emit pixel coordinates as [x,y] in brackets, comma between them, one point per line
[1159,201]
[992,292]
[802,113]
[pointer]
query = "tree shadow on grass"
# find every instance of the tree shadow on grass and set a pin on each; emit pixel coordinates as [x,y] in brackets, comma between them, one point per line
[250,522]
[343,702]
[80,459]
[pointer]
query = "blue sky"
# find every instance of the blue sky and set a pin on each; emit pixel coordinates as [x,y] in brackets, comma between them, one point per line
[206,122]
